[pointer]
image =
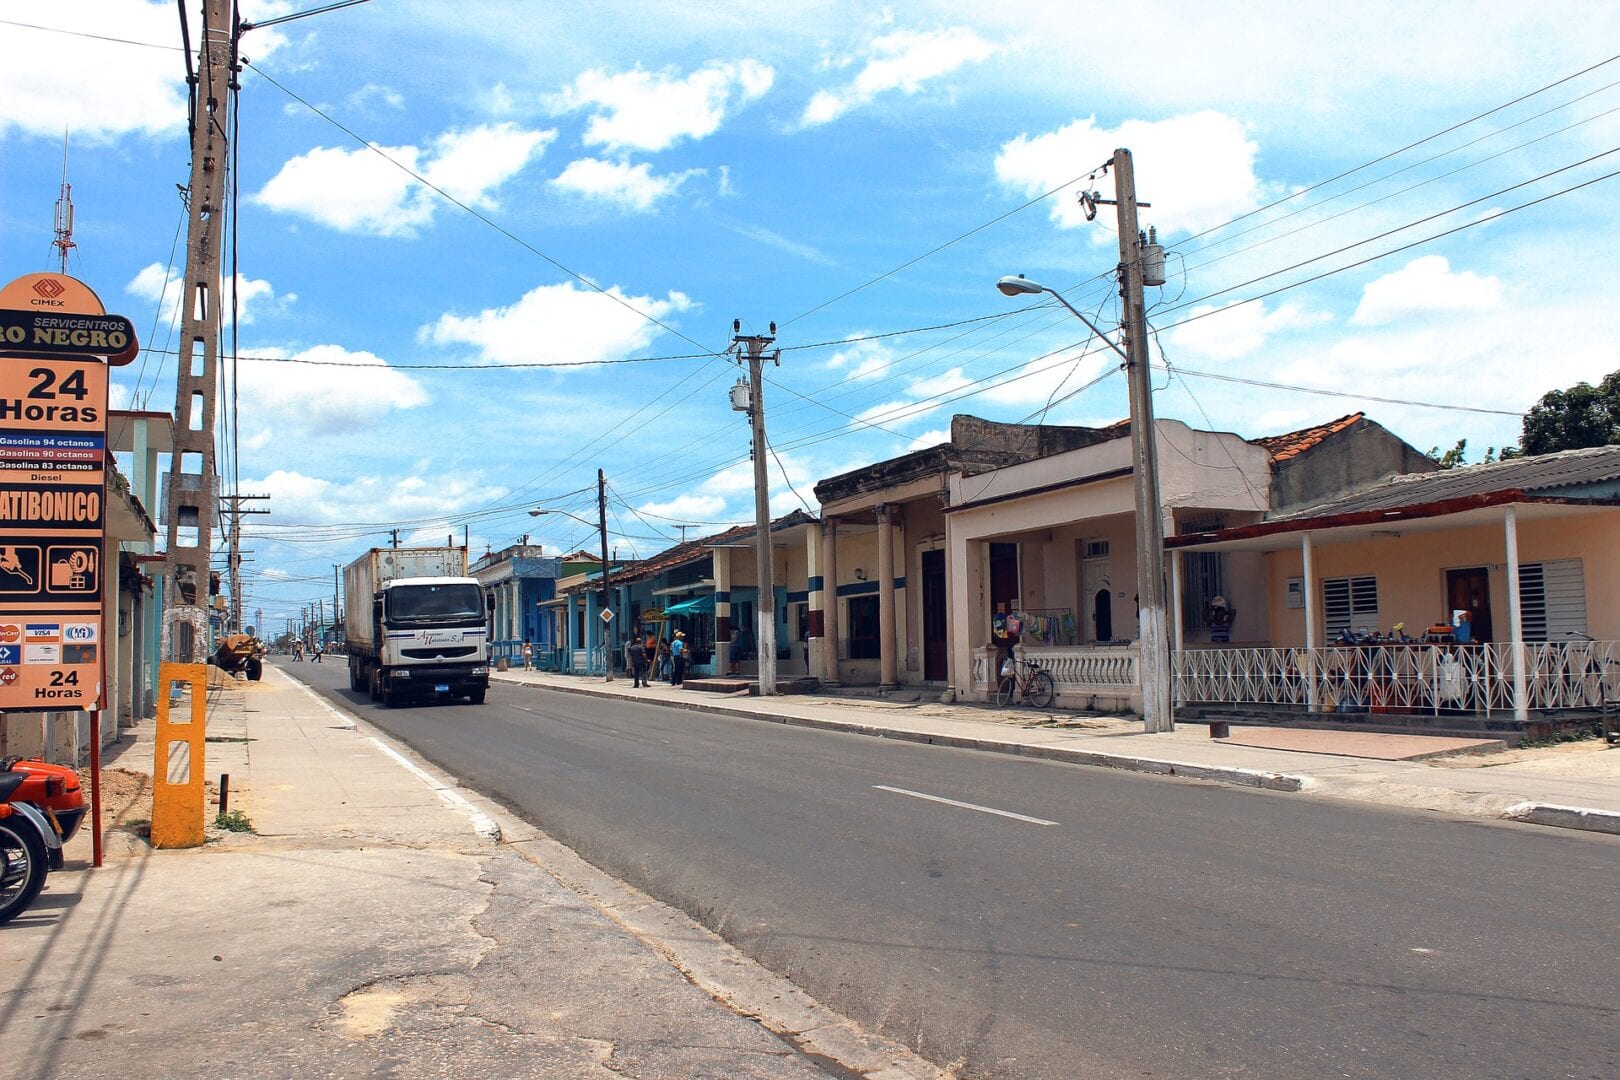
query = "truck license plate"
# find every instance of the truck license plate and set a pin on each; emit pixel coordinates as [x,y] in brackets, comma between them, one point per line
[441,688]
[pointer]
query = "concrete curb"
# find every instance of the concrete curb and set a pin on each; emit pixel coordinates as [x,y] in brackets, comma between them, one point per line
[1565,817]
[1249,778]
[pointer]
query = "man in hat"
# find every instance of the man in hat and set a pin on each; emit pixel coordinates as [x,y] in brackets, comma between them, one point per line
[1220,618]
[678,651]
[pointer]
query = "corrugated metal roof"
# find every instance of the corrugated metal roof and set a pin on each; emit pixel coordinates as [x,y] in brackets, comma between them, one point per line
[1544,474]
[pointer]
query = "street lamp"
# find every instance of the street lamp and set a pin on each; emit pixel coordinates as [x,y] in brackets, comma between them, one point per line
[1157,706]
[602,595]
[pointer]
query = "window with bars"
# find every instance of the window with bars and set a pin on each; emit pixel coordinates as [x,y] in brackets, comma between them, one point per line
[1350,603]
[1552,600]
[1203,576]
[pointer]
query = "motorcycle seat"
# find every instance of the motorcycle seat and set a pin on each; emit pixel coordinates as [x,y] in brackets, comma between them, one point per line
[10,782]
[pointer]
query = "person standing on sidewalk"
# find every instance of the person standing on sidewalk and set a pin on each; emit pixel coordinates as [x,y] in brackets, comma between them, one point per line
[677,652]
[637,653]
[528,656]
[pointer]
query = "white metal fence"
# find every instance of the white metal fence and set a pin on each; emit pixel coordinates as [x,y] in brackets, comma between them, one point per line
[1400,676]
[1112,670]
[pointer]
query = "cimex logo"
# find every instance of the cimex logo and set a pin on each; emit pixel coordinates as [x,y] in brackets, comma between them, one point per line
[49,288]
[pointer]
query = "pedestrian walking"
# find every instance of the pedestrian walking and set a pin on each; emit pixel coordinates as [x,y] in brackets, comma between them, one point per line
[664,671]
[733,666]
[317,650]
[528,656]
[637,653]
[677,652]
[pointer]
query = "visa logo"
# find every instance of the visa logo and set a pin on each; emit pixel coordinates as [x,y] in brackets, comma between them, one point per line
[41,631]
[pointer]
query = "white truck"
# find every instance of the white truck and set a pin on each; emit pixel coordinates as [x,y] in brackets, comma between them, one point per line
[416,625]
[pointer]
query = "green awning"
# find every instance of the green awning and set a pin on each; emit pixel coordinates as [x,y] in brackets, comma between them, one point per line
[703,605]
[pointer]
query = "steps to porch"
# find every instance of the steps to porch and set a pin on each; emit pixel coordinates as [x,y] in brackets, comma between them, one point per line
[1500,726]
[736,684]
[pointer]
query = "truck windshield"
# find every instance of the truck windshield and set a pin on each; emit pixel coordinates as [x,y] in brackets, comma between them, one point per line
[457,602]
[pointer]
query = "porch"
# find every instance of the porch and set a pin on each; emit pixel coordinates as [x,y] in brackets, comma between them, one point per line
[1407,686]
[1094,677]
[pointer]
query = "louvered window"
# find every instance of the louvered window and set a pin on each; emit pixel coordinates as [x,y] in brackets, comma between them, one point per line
[1552,600]
[1350,603]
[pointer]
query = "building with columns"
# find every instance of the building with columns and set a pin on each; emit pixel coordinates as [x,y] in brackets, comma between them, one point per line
[521,578]
[920,553]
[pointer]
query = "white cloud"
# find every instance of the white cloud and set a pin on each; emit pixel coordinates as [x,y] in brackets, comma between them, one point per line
[1423,286]
[560,324]
[633,186]
[863,360]
[98,90]
[361,191]
[1237,330]
[708,507]
[1201,165]
[362,99]
[373,497]
[902,60]
[165,291]
[322,400]
[929,439]
[652,111]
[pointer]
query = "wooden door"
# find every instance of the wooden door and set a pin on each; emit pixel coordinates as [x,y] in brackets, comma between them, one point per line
[933,615]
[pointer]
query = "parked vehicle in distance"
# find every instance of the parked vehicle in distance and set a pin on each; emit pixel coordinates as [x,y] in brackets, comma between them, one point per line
[415,625]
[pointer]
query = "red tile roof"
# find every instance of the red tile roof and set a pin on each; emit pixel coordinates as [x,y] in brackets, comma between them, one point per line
[1293,443]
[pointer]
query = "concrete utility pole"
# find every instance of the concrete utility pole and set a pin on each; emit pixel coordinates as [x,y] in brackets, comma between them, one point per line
[1158,706]
[603,595]
[189,496]
[765,614]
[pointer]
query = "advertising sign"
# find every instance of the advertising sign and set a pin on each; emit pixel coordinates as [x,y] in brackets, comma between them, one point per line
[53,447]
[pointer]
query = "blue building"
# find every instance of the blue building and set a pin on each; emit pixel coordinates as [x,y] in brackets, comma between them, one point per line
[521,578]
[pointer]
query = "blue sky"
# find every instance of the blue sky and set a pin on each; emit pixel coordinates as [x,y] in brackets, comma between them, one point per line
[616,182]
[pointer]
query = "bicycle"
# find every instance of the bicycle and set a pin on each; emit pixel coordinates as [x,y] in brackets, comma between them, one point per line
[1028,682]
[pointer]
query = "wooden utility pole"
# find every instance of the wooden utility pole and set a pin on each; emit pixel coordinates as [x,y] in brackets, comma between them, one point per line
[189,503]
[765,608]
[1157,704]
[233,565]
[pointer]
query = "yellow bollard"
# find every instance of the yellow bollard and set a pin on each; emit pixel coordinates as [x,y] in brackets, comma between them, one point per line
[177,764]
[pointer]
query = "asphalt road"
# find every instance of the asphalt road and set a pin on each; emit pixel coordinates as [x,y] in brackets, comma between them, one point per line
[1071,921]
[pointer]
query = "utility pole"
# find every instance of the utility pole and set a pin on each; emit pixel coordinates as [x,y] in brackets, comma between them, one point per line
[1158,706]
[765,613]
[233,565]
[602,596]
[189,493]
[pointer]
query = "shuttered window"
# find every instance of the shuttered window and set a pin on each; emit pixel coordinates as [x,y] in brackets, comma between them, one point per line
[1552,600]
[1350,603]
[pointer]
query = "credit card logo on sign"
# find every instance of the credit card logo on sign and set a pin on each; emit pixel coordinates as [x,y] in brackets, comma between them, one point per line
[10,654]
[79,632]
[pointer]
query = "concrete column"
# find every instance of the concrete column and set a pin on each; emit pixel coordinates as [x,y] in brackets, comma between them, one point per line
[722,610]
[816,595]
[1308,568]
[829,559]
[887,645]
[1521,698]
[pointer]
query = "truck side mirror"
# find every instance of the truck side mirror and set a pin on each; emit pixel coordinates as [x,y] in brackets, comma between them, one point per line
[376,609]
[489,602]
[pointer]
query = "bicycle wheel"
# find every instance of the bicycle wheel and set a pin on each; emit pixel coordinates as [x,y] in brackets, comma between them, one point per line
[1006,691]
[1040,690]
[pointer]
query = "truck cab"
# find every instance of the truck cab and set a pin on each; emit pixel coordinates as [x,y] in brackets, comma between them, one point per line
[432,638]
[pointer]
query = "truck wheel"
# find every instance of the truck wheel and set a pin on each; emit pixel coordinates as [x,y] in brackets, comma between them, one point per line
[477,696]
[255,669]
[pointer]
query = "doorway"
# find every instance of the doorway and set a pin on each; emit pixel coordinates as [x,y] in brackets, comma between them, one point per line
[933,615]
[1469,589]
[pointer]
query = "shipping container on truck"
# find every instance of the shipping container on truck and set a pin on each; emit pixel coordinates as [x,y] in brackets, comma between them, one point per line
[417,625]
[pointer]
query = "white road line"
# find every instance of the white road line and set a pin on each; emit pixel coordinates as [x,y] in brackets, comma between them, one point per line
[964,805]
[481,822]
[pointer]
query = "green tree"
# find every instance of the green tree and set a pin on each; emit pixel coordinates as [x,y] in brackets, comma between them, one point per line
[1457,455]
[1573,419]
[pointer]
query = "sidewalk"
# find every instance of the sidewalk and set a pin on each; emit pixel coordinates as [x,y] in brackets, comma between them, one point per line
[378,921]
[1576,785]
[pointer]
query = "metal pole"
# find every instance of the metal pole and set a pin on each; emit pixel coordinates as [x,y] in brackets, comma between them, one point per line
[602,597]
[1157,708]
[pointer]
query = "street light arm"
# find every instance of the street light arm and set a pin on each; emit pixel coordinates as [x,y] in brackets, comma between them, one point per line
[564,513]
[1075,312]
